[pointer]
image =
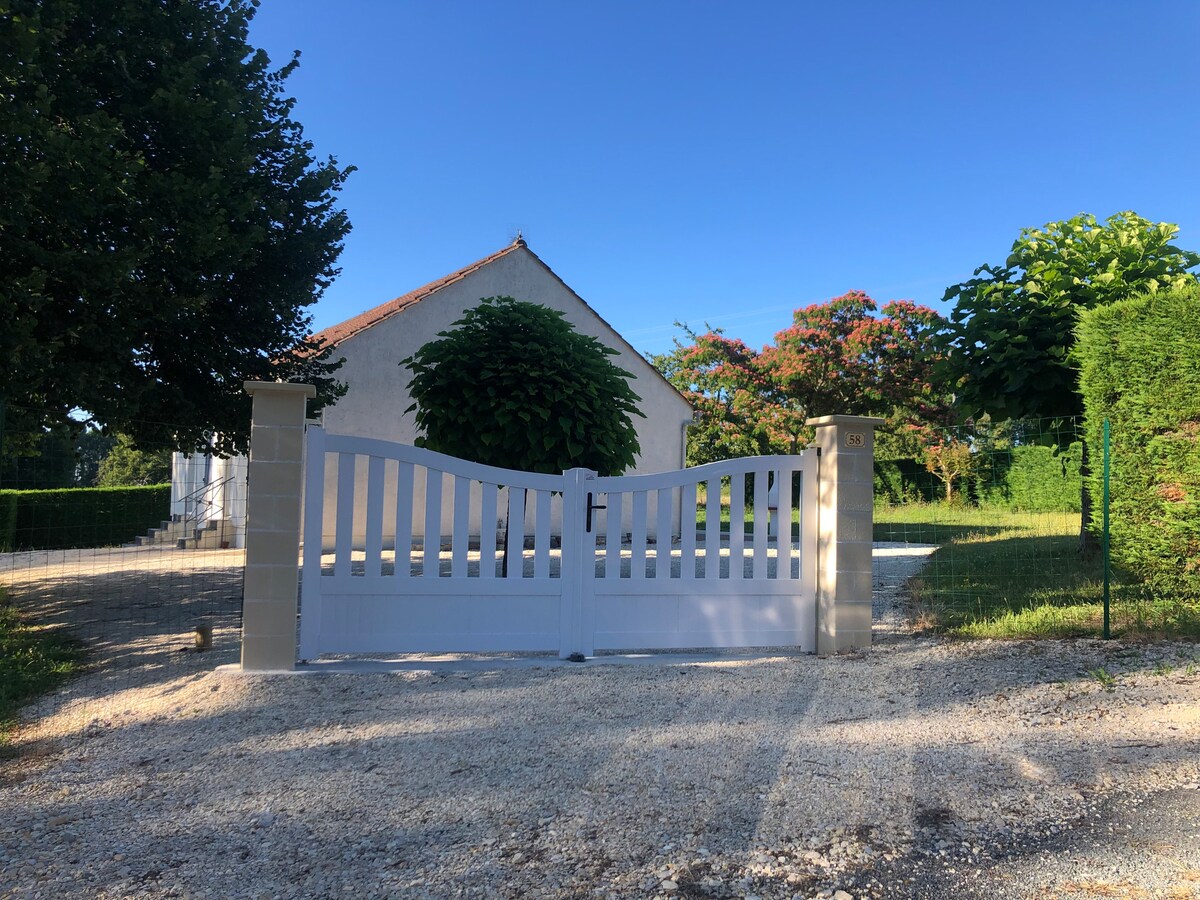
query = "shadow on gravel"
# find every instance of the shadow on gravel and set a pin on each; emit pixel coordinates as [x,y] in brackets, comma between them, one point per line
[136,615]
[1130,846]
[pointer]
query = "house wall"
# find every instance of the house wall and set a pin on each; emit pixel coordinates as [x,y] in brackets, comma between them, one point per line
[378,397]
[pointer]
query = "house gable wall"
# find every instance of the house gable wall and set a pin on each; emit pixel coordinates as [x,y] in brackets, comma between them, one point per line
[378,397]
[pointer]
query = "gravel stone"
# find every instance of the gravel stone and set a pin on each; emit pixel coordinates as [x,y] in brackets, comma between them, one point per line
[922,768]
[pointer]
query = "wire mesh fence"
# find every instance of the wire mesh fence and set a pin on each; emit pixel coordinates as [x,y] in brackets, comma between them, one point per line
[109,580]
[1014,541]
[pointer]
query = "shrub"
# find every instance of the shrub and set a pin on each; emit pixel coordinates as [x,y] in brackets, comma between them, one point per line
[80,517]
[8,520]
[1035,478]
[1140,369]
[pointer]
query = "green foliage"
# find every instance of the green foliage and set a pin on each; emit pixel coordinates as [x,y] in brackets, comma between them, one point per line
[1035,478]
[44,458]
[91,447]
[1141,370]
[82,517]
[33,661]
[514,385]
[903,480]
[836,357]
[8,520]
[737,411]
[1031,477]
[164,225]
[1011,333]
[126,465]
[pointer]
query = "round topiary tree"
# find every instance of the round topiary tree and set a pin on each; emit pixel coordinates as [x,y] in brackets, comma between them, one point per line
[514,385]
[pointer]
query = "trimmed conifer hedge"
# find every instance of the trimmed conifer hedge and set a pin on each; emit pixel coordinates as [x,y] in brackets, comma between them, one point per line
[80,517]
[1034,478]
[1140,369]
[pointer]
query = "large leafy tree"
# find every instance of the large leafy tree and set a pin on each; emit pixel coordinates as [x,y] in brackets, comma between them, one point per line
[165,225]
[843,356]
[1011,333]
[848,356]
[512,384]
[732,396]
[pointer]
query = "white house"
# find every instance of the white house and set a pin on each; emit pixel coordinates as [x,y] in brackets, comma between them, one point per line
[373,344]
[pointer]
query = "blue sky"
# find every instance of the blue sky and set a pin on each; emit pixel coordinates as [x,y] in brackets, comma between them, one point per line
[727,163]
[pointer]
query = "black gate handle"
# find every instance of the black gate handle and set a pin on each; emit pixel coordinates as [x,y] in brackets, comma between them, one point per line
[590,507]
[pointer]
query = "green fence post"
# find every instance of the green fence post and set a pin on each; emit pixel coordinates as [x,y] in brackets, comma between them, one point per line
[1104,502]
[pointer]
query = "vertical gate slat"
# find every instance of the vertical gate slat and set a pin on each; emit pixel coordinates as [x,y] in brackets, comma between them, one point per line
[687,532]
[761,517]
[314,515]
[431,544]
[541,535]
[487,532]
[783,541]
[515,551]
[404,518]
[461,530]
[637,549]
[662,537]
[344,526]
[712,528]
[737,525]
[373,566]
[612,537]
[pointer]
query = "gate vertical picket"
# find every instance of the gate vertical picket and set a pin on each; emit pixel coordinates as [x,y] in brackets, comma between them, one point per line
[514,551]
[313,537]
[712,528]
[637,539]
[344,529]
[404,514]
[737,525]
[431,543]
[783,529]
[761,515]
[373,544]
[460,537]
[687,532]
[487,532]
[541,535]
[662,538]
[612,538]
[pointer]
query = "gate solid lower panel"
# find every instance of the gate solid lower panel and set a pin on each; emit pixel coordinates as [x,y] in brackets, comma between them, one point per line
[450,615]
[723,614]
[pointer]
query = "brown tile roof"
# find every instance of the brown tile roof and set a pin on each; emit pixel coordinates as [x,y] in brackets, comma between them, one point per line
[335,334]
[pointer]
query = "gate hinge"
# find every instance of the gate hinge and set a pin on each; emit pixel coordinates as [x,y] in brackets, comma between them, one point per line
[818,449]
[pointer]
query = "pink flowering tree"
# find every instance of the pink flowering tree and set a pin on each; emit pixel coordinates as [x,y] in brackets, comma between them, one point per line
[843,356]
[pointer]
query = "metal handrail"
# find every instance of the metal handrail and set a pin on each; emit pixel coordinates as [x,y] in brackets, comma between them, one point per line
[203,499]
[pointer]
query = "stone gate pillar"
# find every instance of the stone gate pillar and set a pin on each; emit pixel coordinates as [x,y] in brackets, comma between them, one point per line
[275,480]
[845,518]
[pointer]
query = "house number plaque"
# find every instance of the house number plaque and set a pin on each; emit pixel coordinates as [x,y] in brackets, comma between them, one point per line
[856,439]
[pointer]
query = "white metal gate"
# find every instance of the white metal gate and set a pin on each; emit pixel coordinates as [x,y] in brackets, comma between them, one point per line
[497,560]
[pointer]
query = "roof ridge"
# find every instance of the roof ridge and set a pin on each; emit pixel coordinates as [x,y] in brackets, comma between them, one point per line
[336,334]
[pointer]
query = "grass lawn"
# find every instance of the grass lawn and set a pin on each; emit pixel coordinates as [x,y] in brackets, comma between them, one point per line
[33,661]
[1005,574]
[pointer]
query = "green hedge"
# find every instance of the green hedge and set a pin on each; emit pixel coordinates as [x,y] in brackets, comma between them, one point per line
[1140,369]
[8,520]
[80,517]
[1033,478]
[905,480]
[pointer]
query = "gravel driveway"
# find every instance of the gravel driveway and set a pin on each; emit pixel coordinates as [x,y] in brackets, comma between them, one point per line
[923,768]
